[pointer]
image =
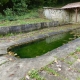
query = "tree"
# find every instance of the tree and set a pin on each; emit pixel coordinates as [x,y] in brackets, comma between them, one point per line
[2,2]
[19,6]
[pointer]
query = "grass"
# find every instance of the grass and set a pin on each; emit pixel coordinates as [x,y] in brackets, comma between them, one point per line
[78,78]
[61,59]
[23,21]
[51,71]
[34,74]
[75,56]
[22,79]
[72,53]
[78,49]
[66,79]
[69,62]
[32,16]
[9,34]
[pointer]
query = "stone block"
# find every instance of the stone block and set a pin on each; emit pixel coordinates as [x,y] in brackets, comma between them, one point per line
[56,23]
[33,27]
[47,24]
[4,30]
[15,29]
[26,28]
[38,25]
[42,25]
[51,24]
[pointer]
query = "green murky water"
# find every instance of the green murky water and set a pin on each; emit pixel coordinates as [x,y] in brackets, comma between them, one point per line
[41,47]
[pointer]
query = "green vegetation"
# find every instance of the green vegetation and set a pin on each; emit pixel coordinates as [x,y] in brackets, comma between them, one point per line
[78,78]
[71,54]
[50,71]
[30,4]
[75,56]
[66,79]
[40,47]
[22,79]
[13,10]
[70,62]
[23,21]
[35,75]
[2,2]
[61,59]
[78,49]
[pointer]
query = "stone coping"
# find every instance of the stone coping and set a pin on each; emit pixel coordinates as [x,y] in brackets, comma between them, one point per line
[52,8]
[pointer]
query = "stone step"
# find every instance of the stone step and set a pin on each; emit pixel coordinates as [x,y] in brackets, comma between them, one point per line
[48,76]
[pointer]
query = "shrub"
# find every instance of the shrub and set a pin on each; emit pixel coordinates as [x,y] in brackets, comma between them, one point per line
[8,12]
[1,17]
[20,7]
[10,15]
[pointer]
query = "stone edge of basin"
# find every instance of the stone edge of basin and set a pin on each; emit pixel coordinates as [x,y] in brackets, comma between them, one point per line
[6,46]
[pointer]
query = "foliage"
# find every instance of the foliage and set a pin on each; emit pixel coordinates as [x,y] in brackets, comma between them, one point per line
[20,7]
[22,20]
[78,49]
[1,17]
[50,2]
[23,78]
[78,78]
[2,2]
[51,71]
[9,14]
[36,3]
[34,74]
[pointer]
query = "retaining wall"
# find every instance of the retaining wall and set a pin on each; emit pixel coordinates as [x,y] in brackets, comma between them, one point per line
[27,27]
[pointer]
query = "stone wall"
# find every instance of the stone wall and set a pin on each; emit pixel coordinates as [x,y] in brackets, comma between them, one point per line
[61,15]
[57,15]
[27,27]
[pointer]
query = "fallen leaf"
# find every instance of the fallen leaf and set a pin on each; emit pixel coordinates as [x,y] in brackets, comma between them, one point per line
[55,60]
[27,77]
[10,59]
[59,69]
[78,60]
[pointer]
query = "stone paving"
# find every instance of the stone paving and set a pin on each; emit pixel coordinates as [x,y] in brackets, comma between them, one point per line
[66,68]
[58,64]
